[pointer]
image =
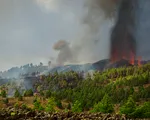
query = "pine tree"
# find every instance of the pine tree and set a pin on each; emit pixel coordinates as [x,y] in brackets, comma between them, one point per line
[129,107]
[50,105]
[16,94]
[3,93]
[77,107]
[105,105]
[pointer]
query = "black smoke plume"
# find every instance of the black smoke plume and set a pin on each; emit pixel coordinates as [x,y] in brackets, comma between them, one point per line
[123,43]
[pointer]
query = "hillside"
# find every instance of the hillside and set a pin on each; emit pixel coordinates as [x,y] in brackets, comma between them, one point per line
[99,65]
[118,83]
[16,72]
[30,69]
[114,88]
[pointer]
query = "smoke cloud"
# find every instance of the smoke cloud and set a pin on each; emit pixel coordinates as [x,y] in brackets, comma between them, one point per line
[65,53]
[123,43]
[106,27]
[95,18]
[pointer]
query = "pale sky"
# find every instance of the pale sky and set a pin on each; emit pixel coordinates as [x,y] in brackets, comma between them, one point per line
[29,29]
[28,32]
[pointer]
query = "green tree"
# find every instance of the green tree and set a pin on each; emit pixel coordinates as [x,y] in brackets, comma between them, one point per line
[28,93]
[77,106]
[24,106]
[6,101]
[131,91]
[142,111]
[69,106]
[105,105]
[41,93]
[37,105]
[20,98]
[50,105]
[17,93]
[16,105]
[3,93]
[59,104]
[48,94]
[129,107]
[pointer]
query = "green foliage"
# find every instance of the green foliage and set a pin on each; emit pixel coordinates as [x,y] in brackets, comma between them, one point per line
[37,105]
[24,106]
[142,111]
[105,106]
[3,93]
[20,98]
[5,100]
[48,94]
[69,106]
[50,105]
[129,107]
[59,104]
[66,110]
[17,93]
[12,113]
[41,93]
[77,106]
[16,105]
[28,93]
[85,93]
[35,100]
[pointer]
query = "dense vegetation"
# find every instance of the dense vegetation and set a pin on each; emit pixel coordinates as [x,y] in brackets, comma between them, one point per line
[102,91]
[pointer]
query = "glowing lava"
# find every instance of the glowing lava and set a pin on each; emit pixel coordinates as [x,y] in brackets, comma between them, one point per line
[123,43]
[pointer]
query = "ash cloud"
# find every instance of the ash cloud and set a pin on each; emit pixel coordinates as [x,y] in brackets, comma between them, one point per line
[95,19]
[65,53]
[105,27]
[123,42]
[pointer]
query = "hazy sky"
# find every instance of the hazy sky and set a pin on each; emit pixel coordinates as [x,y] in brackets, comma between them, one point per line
[28,32]
[29,29]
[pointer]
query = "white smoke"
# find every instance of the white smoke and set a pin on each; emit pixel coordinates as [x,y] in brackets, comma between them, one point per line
[49,4]
[91,42]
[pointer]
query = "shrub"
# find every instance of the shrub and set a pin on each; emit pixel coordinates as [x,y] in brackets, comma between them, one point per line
[129,107]
[16,105]
[48,94]
[77,107]
[16,94]
[24,106]
[50,105]
[3,93]
[69,106]
[104,105]
[20,98]
[5,101]
[59,104]
[12,113]
[35,100]
[41,93]
[28,93]
[37,105]
[66,110]
[142,111]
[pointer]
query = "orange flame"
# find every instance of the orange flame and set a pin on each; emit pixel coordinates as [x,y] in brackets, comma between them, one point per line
[132,59]
[139,61]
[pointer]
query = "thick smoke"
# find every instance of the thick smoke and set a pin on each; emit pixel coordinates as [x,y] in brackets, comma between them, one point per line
[123,43]
[95,18]
[65,53]
[143,29]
